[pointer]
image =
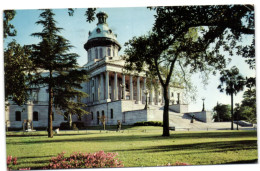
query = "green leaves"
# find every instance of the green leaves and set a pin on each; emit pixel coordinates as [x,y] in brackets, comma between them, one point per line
[17,66]
[231,81]
[9,29]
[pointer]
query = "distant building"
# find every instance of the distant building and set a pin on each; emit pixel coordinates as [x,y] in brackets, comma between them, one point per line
[113,93]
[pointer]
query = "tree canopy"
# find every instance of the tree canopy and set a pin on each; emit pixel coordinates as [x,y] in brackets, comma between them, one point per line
[222,113]
[63,77]
[172,41]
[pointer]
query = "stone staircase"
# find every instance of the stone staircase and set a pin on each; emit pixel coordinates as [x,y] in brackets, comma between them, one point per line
[182,121]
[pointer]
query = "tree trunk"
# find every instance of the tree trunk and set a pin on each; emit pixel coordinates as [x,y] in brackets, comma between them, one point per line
[70,121]
[166,131]
[50,128]
[232,113]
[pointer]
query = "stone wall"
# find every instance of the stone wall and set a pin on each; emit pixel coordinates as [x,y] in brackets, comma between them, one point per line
[27,114]
[179,108]
[204,116]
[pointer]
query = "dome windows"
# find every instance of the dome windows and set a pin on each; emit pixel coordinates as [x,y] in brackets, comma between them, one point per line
[98,30]
[110,31]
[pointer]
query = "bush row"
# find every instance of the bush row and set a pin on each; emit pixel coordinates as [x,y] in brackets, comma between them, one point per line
[75,125]
[84,160]
[149,123]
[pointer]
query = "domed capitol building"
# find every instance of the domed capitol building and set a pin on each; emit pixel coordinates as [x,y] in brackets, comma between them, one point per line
[113,93]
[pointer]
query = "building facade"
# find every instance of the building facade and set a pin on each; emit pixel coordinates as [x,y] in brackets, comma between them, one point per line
[113,93]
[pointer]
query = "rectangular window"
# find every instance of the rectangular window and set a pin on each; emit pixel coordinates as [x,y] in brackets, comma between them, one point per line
[178,96]
[35,116]
[172,94]
[111,113]
[18,116]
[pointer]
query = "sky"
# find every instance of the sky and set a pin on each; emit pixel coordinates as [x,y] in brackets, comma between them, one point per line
[126,22]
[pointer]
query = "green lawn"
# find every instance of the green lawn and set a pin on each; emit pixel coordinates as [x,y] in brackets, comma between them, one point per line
[138,146]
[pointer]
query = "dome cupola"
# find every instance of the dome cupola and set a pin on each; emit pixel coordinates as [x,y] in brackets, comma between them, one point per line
[102,35]
[102,42]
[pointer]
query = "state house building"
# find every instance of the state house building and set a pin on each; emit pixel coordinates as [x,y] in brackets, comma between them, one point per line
[112,93]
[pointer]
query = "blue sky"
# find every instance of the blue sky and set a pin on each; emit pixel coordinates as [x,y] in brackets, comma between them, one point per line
[126,23]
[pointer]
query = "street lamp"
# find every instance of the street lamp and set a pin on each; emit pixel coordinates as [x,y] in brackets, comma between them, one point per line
[203,108]
[146,93]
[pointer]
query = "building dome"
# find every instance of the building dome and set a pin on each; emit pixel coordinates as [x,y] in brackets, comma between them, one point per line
[102,35]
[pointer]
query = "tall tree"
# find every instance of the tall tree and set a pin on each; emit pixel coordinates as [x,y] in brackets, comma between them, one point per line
[63,77]
[231,82]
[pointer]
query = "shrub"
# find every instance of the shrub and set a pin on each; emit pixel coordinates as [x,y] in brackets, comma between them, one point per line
[84,160]
[11,161]
[149,123]
[65,126]
[75,125]
[79,125]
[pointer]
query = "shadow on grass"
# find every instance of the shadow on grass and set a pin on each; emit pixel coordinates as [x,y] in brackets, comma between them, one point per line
[33,157]
[255,161]
[202,147]
[140,137]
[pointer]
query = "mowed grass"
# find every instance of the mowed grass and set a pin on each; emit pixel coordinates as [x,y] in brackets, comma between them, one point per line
[137,146]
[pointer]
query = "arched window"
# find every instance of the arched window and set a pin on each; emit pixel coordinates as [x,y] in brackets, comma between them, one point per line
[18,116]
[35,116]
[101,53]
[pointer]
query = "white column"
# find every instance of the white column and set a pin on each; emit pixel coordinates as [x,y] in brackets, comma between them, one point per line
[151,94]
[131,88]
[144,89]
[124,87]
[87,91]
[102,87]
[115,87]
[29,111]
[138,90]
[98,88]
[107,86]
[93,89]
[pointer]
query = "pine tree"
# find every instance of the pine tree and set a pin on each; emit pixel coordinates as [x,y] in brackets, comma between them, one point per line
[64,77]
